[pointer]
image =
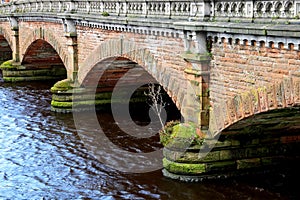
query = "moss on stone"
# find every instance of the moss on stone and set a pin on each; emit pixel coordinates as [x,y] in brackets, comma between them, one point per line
[61,104]
[184,168]
[166,132]
[33,78]
[105,14]
[182,136]
[7,65]
[191,156]
[63,85]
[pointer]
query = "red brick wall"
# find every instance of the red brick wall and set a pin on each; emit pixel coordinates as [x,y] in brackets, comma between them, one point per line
[166,49]
[52,33]
[159,55]
[246,80]
[240,68]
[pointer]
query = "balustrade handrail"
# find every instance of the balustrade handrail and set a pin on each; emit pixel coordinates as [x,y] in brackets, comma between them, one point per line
[181,9]
[170,9]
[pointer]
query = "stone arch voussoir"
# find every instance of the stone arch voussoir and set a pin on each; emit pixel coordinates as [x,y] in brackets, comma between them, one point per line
[50,38]
[7,36]
[278,95]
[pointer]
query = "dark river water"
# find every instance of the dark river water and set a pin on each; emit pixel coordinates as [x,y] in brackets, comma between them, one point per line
[42,156]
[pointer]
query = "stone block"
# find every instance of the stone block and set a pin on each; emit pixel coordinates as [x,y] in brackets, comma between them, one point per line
[279,90]
[248,163]
[191,157]
[288,91]
[226,155]
[221,166]
[262,96]
[184,168]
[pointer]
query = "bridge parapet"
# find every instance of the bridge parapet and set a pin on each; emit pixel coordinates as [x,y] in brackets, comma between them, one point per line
[219,10]
[256,9]
[183,9]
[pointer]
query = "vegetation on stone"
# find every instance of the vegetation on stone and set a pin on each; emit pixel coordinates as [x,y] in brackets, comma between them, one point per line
[63,85]
[7,65]
[105,14]
[166,132]
[175,132]
[183,168]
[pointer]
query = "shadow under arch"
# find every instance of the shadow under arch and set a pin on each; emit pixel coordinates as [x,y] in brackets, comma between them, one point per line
[48,37]
[43,60]
[103,58]
[172,80]
[7,36]
[5,49]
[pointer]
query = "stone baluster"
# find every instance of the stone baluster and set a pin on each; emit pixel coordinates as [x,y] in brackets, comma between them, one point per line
[88,7]
[124,8]
[70,6]
[249,9]
[60,6]
[144,9]
[168,9]
[297,8]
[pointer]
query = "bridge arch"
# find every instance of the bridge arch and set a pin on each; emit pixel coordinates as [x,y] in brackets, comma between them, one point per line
[41,52]
[50,38]
[174,83]
[7,36]
[274,96]
[5,49]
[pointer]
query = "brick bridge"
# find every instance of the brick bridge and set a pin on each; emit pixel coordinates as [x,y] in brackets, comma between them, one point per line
[231,67]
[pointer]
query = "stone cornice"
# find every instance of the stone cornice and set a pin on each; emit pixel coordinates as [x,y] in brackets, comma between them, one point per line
[280,30]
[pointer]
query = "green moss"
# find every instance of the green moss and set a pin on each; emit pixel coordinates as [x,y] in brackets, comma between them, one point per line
[33,78]
[60,104]
[183,131]
[178,135]
[105,14]
[184,168]
[7,65]
[63,85]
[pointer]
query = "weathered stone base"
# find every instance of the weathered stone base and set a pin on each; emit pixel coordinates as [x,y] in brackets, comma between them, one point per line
[67,98]
[14,72]
[231,155]
[284,165]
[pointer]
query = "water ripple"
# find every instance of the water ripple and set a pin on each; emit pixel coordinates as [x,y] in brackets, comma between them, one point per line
[42,157]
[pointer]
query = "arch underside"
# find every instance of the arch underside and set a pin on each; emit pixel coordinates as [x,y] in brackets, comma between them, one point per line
[173,82]
[118,81]
[40,54]
[49,42]
[5,49]
[106,74]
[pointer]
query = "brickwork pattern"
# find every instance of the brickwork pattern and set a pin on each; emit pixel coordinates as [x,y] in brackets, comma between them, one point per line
[50,32]
[7,33]
[158,55]
[246,80]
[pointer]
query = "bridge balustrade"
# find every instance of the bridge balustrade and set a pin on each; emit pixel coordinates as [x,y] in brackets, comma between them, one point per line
[257,9]
[134,8]
[180,10]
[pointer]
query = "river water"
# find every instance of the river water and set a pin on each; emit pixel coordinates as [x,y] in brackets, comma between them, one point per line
[43,157]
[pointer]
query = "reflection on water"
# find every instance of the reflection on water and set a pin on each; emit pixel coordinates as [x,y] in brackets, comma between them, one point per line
[42,156]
